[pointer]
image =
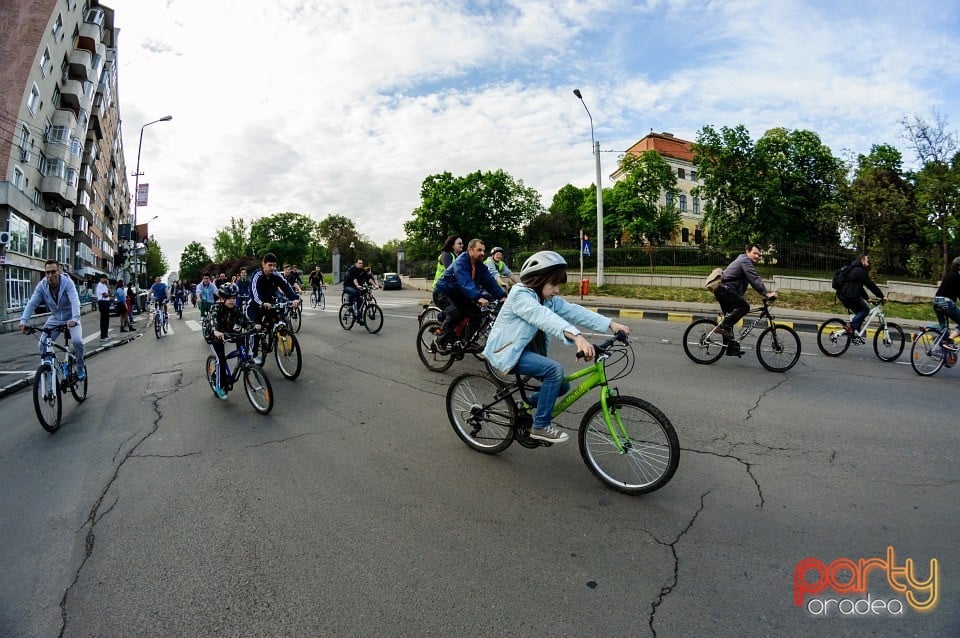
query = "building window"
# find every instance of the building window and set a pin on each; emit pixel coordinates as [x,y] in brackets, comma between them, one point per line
[76,147]
[44,62]
[34,100]
[17,178]
[37,245]
[58,27]
[56,96]
[683,203]
[685,235]
[58,134]
[696,205]
[37,197]
[19,287]
[55,168]
[669,199]
[693,176]
[680,173]
[63,251]
[19,234]
[698,236]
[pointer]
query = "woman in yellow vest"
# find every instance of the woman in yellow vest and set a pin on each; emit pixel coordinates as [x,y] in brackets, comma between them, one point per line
[452,247]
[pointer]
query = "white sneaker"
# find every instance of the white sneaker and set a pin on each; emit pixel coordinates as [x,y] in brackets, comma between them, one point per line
[550,434]
[258,360]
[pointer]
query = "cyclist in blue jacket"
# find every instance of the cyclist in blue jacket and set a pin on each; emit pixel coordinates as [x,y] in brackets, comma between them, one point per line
[466,283]
[58,292]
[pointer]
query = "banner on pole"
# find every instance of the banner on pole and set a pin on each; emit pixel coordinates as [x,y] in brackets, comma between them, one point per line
[142,190]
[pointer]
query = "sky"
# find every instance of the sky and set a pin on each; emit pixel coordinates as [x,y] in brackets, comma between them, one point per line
[338,107]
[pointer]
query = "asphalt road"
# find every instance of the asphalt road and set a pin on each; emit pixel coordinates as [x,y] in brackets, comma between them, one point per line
[353,509]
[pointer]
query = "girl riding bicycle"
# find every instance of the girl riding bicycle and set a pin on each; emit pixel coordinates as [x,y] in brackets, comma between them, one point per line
[533,312]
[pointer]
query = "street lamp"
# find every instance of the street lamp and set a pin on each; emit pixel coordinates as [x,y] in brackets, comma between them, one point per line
[596,154]
[136,187]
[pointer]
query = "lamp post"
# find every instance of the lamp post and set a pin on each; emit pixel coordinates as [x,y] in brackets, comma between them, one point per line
[596,154]
[136,187]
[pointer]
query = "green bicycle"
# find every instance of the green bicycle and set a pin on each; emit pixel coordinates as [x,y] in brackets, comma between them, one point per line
[626,442]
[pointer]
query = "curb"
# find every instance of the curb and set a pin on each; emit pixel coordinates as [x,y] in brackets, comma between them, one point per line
[27,380]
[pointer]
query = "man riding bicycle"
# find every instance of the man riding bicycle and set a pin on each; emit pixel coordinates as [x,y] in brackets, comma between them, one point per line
[466,283]
[736,277]
[852,294]
[207,292]
[265,286]
[354,279]
[159,293]
[59,294]
[316,281]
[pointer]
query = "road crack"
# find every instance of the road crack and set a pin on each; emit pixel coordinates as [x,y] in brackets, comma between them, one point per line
[764,394]
[666,589]
[748,466]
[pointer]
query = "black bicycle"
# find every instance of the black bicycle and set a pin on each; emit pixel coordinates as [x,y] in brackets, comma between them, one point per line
[439,358]
[54,377]
[256,384]
[778,346]
[277,337]
[367,313]
[178,306]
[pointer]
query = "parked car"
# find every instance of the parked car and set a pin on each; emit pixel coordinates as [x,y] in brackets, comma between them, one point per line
[391,281]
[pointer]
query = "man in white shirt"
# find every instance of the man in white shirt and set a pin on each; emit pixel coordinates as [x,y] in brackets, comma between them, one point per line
[102,294]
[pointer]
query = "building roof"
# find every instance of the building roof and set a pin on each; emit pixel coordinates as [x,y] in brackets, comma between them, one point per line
[666,144]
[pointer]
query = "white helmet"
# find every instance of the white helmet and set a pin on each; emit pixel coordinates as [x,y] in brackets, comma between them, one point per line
[540,263]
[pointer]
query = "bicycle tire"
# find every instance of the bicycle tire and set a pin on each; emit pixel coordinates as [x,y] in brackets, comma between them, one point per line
[287,353]
[256,385]
[778,348]
[482,422]
[78,387]
[373,319]
[210,369]
[889,342]
[430,313]
[156,325]
[323,301]
[166,323]
[925,359]
[702,343]
[427,350]
[296,319]
[833,338]
[48,406]
[346,317]
[650,454]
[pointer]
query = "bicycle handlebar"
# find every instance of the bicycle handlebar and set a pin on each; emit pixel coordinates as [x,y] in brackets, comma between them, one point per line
[602,348]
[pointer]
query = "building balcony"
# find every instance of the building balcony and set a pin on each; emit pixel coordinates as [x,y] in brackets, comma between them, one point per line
[71,95]
[81,64]
[91,34]
[59,190]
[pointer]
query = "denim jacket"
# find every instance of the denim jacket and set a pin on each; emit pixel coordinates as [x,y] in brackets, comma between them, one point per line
[522,315]
[63,309]
[459,277]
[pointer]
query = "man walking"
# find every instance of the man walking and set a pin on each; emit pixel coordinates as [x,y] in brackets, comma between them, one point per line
[121,297]
[102,294]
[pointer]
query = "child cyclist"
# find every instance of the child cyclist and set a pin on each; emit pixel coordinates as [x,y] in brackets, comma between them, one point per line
[224,316]
[532,313]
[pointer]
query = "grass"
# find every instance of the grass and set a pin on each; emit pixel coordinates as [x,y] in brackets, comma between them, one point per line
[795,300]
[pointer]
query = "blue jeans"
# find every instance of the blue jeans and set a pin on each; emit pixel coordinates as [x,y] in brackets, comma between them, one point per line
[944,306]
[860,309]
[550,373]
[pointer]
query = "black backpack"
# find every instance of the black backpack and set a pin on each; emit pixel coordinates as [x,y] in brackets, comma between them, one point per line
[840,277]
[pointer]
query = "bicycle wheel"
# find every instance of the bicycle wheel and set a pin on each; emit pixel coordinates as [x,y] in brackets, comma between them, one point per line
[256,384]
[926,356]
[166,323]
[648,452]
[778,348]
[314,298]
[428,351]
[78,388]
[47,400]
[287,353]
[323,301]
[702,343]
[889,342]
[346,316]
[430,313]
[833,338]
[482,421]
[211,373]
[156,325]
[296,319]
[373,319]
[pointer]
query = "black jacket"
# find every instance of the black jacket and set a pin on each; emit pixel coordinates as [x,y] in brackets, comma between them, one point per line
[857,279]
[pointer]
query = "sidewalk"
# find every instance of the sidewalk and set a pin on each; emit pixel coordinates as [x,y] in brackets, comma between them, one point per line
[19,355]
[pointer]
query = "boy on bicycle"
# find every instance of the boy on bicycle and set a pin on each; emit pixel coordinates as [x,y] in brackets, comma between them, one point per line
[533,312]
[224,317]
[265,286]
[59,294]
[159,292]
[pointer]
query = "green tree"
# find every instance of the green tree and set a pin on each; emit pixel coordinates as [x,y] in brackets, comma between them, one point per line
[938,181]
[232,242]
[337,231]
[612,221]
[287,235]
[193,260]
[156,264]
[492,206]
[560,225]
[637,197]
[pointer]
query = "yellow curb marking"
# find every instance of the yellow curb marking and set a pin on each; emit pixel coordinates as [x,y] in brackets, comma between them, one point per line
[679,316]
[632,313]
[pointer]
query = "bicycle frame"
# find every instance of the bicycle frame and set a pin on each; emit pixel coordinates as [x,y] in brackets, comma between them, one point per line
[764,315]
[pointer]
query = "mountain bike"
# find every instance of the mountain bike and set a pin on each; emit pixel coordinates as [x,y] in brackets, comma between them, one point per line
[161,322]
[888,340]
[178,307]
[928,354]
[318,299]
[277,337]
[296,318]
[54,377]
[626,442]
[778,346]
[367,312]
[256,383]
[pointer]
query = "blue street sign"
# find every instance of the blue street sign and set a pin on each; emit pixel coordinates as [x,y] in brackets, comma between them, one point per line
[586,248]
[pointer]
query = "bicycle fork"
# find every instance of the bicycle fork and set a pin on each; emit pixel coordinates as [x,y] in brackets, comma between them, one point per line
[614,423]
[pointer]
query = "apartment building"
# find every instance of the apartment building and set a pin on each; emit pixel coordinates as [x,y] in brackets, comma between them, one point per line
[678,153]
[64,190]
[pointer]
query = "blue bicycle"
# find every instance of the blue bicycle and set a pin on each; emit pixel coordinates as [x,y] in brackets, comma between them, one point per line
[256,384]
